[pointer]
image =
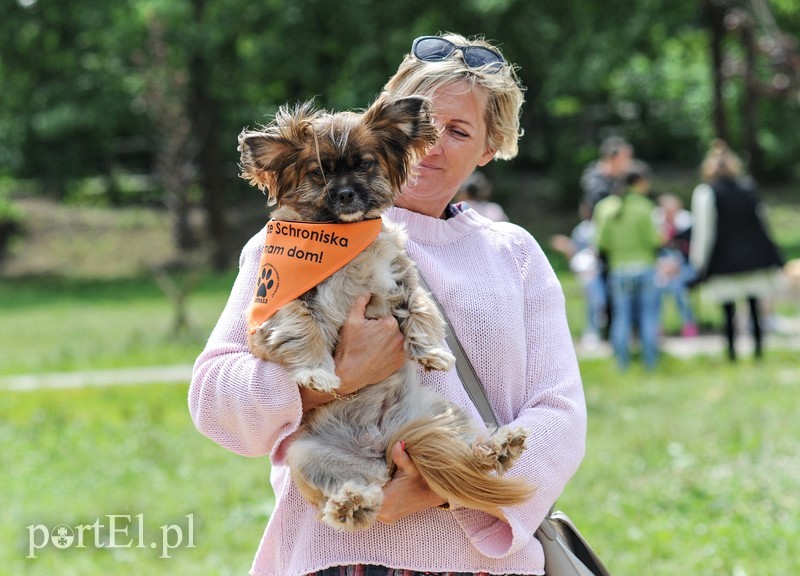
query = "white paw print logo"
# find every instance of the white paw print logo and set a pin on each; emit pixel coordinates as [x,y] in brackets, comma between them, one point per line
[62,536]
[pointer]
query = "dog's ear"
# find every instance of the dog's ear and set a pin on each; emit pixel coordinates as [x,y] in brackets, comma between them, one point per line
[268,156]
[404,130]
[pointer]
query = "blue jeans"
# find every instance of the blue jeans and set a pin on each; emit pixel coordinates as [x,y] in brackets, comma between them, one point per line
[677,287]
[635,298]
[594,292]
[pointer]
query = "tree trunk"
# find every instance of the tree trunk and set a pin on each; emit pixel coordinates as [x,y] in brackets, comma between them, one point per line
[714,14]
[750,103]
[204,111]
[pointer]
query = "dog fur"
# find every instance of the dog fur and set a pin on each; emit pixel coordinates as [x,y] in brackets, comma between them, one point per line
[346,167]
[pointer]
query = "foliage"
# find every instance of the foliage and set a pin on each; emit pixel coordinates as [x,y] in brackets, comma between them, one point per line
[75,76]
[9,212]
[664,98]
[10,222]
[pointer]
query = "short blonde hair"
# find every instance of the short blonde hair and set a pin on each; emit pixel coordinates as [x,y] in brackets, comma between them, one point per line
[502,86]
[720,162]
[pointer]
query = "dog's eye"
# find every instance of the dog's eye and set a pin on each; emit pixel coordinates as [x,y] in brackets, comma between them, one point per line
[366,164]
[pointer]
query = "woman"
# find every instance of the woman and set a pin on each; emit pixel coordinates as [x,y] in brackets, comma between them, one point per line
[628,238]
[506,306]
[730,248]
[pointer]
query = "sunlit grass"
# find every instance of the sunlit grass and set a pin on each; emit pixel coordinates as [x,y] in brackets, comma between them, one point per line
[59,325]
[692,469]
[75,457]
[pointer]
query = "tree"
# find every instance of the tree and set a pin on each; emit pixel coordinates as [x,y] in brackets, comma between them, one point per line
[665,73]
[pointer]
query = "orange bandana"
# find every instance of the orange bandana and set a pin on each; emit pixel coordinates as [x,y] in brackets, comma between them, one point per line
[300,255]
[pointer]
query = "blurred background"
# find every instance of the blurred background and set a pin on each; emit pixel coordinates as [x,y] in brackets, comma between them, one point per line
[139,102]
[122,217]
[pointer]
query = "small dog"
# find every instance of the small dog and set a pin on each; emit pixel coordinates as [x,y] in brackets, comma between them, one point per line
[343,168]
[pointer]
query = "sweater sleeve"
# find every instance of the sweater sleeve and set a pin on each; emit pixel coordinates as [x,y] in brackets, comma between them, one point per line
[704,228]
[549,403]
[240,402]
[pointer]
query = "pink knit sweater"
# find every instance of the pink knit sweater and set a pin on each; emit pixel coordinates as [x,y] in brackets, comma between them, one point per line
[507,308]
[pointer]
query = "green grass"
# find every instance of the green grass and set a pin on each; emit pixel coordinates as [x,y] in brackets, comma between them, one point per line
[693,469]
[73,457]
[53,324]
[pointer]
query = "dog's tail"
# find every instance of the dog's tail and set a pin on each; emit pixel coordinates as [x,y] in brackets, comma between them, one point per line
[452,468]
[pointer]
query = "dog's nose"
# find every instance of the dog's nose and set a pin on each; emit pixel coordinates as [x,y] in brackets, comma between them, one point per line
[346,194]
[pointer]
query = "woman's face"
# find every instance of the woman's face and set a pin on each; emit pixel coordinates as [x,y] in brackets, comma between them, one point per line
[459,116]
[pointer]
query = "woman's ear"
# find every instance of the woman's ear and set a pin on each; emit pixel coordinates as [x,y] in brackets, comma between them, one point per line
[488,154]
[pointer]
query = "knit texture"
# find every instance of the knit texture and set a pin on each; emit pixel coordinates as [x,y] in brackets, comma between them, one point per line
[507,308]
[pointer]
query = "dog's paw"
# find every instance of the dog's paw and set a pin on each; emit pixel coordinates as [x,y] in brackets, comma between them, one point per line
[434,359]
[502,449]
[258,343]
[318,379]
[353,507]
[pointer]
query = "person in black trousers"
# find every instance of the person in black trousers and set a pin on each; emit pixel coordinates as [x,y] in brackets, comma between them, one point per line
[731,247]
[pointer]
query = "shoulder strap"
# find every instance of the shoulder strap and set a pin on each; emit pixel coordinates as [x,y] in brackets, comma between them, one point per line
[464,367]
[468,377]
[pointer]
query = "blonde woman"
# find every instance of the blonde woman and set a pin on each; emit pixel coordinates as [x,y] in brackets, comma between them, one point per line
[506,306]
[731,248]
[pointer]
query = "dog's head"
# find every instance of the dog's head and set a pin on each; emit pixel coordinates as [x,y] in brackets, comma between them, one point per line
[342,167]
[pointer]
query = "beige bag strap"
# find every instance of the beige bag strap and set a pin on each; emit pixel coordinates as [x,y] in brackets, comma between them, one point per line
[464,367]
[557,534]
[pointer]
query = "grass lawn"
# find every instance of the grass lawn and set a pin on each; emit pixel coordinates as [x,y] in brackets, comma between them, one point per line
[68,324]
[76,457]
[693,469]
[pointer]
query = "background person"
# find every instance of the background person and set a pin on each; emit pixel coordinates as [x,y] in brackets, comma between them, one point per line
[674,274]
[629,239]
[580,249]
[506,306]
[476,191]
[606,175]
[602,178]
[731,248]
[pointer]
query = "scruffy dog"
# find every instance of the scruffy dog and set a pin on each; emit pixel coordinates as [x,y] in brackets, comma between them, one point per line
[343,168]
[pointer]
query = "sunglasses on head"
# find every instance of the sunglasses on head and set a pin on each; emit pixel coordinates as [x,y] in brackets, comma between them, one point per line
[436,49]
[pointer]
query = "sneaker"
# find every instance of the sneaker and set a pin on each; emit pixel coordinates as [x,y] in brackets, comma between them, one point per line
[590,341]
[689,331]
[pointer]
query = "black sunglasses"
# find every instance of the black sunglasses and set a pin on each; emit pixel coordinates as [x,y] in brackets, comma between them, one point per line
[436,49]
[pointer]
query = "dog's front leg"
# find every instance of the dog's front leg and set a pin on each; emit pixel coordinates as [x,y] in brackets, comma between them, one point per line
[424,333]
[299,341]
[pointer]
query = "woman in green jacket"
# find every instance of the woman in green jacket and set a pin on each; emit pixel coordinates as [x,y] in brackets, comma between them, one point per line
[628,238]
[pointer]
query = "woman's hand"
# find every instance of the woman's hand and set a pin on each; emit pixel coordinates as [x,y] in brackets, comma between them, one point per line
[407,492]
[369,351]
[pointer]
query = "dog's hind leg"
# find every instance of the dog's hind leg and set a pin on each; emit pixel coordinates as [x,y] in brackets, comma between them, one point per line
[345,487]
[353,507]
[501,449]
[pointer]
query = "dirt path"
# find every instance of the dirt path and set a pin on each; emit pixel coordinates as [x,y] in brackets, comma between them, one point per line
[179,374]
[683,348]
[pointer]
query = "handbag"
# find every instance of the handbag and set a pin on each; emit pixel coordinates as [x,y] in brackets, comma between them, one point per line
[566,551]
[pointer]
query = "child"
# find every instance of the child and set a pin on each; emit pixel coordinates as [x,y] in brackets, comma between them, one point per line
[673,271]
